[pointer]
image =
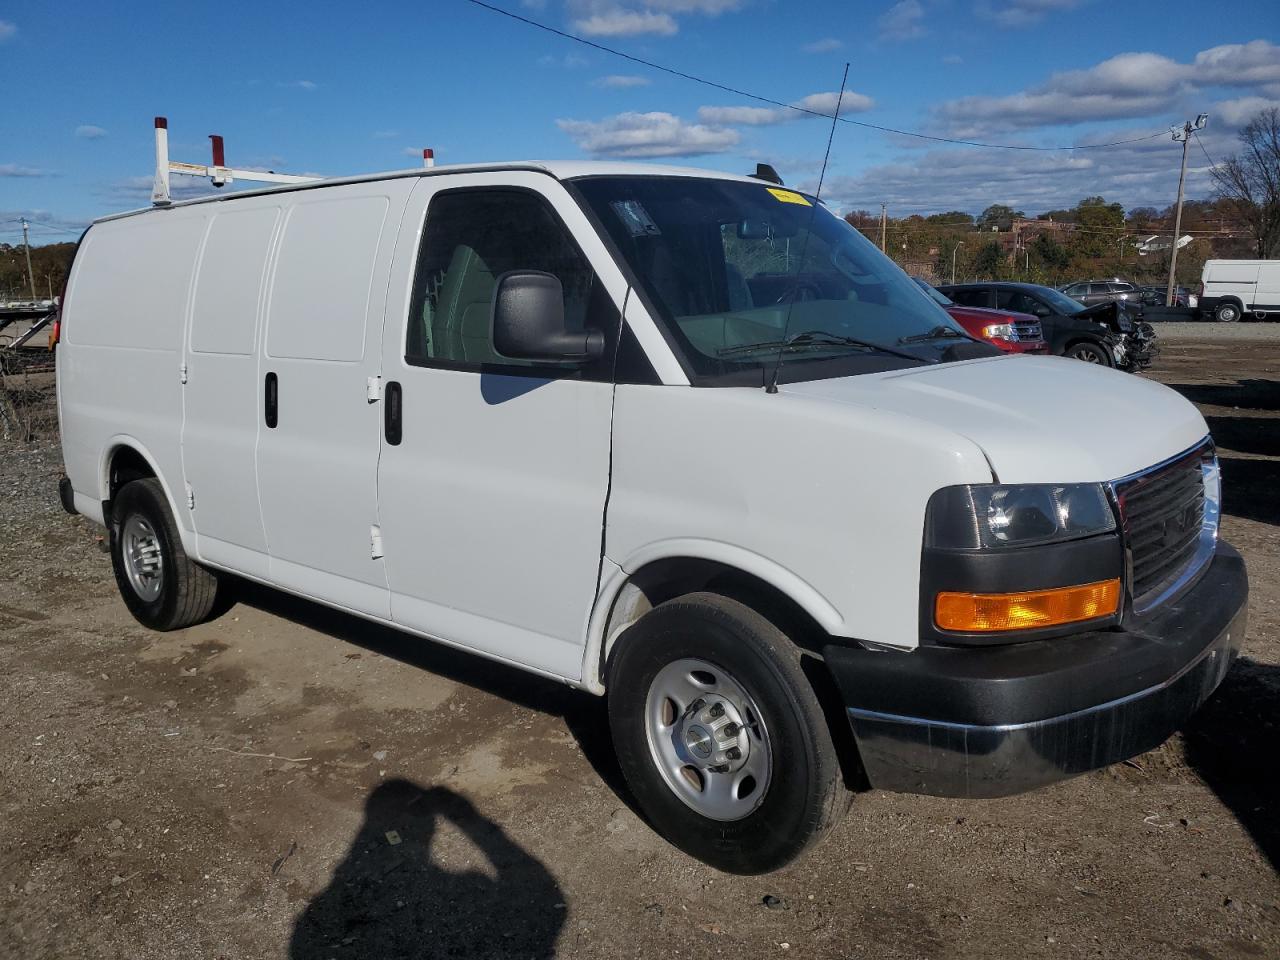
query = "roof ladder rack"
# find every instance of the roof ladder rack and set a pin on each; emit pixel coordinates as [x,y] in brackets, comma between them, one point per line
[217,171]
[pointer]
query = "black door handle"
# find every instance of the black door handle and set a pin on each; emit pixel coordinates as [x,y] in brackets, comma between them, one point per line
[271,398]
[392,416]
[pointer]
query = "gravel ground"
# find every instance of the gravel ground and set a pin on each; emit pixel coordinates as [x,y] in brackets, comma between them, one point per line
[285,781]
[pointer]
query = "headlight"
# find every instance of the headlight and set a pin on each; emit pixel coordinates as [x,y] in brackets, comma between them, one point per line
[992,516]
[999,331]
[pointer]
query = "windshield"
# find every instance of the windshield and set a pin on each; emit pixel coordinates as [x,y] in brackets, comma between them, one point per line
[741,274]
[1060,302]
[938,297]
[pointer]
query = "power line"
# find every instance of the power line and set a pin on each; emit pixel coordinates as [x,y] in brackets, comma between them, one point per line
[779,103]
[1200,144]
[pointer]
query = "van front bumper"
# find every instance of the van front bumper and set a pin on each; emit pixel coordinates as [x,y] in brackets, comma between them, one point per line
[993,721]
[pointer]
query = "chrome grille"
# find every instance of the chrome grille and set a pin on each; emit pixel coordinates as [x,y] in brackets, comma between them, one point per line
[1028,330]
[1169,525]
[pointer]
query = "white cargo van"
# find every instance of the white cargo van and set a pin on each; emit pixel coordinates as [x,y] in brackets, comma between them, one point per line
[1233,289]
[683,439]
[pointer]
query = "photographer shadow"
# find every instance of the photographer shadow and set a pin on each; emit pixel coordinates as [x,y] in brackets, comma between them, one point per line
[1232,743]
[391,898]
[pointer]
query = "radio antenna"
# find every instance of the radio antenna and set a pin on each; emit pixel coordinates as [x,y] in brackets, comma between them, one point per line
[772,386]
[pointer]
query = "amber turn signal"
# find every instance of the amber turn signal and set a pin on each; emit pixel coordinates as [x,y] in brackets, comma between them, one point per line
[1029,610]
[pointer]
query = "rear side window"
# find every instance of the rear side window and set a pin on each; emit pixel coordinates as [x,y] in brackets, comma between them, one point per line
[971,298]
[471,238]
[1017,301]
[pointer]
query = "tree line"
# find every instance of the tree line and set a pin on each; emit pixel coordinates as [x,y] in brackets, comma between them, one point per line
[1241,221]
[49,263]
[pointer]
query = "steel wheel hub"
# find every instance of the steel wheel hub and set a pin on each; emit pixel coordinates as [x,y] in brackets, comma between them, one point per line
[143,561]
[708,739]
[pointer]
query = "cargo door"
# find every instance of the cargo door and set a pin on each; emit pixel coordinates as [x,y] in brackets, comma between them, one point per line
[220,395]
[318,393]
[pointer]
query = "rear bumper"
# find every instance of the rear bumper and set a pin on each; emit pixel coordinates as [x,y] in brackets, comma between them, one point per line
[993,721]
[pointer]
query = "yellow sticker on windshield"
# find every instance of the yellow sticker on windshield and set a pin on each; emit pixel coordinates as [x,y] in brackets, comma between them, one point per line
[789,196]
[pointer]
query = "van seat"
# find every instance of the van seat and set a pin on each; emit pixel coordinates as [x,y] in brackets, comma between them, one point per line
[461,320]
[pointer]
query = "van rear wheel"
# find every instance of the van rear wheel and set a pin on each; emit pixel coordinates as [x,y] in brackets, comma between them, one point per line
[162,587]
[720,735]
[1226,313]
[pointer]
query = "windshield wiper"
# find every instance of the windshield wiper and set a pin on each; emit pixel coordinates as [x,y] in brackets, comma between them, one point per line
[940,332]
[817,338]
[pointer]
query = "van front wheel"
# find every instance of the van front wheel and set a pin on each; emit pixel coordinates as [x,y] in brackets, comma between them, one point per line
[162,587]
[721,737]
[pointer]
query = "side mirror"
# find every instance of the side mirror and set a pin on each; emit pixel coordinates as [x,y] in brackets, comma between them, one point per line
[529,322]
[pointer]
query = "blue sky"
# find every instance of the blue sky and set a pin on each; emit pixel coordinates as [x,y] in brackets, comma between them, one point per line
[341,88]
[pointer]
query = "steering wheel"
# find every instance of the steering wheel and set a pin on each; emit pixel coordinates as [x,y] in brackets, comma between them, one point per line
[809,289]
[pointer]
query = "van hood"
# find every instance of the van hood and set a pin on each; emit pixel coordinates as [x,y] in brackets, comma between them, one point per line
[1037,419]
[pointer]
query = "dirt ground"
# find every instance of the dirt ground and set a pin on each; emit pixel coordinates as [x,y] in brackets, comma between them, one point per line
[289,782]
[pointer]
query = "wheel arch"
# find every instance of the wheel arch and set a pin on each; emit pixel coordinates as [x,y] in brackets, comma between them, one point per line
[661,572]
[125,458]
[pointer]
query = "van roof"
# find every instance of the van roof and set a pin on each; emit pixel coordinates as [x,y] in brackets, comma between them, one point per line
[560,169]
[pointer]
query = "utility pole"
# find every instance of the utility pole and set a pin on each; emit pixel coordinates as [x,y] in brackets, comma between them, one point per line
[1182,133]
[26,243]
[954,249]
[884,219]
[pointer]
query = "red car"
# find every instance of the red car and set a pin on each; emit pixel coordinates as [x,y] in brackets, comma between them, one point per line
[1011,332]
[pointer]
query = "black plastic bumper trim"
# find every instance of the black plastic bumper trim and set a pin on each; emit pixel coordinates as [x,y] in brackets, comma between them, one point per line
[989,722]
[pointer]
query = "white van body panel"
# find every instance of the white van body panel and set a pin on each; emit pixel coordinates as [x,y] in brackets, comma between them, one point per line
[819,496]
[318,468]
[494,501]
[120,363]
[1254,283]
[222,410]
[1025,413]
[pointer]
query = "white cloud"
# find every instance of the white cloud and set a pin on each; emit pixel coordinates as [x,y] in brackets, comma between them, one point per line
[902,21]
[1139,174]
[822,103]
[1022,13]
[7,30]
[747,116]
[825,45]
[1124,86]
[851,102]
[951,59]
[626,23]
[18,170]
[570,61]
[708,8]
[89,131]
[386,134]
[620,81]
[1234,114]
[635,135]
[298,84]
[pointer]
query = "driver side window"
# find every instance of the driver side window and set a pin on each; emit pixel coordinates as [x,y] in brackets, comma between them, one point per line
[472,237]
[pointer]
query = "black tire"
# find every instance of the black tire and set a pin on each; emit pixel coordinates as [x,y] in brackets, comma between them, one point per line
[806,794]
[1227,313]
[1090,352]
[187,591]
